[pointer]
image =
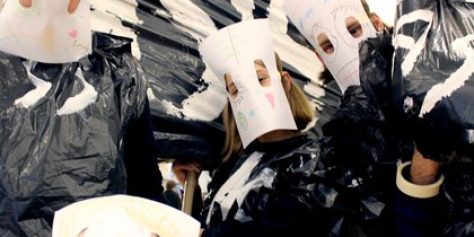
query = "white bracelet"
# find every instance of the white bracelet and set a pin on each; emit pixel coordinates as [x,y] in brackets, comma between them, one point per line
[415,190]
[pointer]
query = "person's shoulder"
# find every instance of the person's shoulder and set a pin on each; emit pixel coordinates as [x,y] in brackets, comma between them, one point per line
[307,154]
[310,146]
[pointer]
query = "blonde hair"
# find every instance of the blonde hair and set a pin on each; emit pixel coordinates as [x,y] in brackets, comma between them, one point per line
[300,106]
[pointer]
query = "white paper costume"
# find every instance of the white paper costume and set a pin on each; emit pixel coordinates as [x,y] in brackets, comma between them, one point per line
[46,31]
[122,215]
[332,27]
[257,108]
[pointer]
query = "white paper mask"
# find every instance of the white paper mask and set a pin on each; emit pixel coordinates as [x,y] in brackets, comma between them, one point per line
[335,28]
[122,215]
[50,31]
[239,51]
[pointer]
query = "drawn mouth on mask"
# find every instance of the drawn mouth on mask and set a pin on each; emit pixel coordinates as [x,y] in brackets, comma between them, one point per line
[349,74]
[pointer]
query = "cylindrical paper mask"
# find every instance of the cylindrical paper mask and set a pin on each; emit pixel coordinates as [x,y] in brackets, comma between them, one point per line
[335,28]
[242,54]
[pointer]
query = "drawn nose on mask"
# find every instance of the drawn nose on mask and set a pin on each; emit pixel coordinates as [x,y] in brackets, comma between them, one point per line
[71,8]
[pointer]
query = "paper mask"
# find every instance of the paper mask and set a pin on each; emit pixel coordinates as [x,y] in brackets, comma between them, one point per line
[242,54]
[49,31]
[125,213]
[335,28]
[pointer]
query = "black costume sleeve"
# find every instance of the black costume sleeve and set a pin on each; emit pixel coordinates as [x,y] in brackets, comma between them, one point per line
[143,176]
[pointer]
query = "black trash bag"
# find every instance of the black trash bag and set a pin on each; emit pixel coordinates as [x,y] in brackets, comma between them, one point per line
[440,133]
[70,132]
[433,75]
[376,80]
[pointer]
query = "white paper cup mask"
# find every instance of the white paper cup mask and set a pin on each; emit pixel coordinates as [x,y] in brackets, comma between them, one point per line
[334,28]
[242,54]
[50,31]
[122,215]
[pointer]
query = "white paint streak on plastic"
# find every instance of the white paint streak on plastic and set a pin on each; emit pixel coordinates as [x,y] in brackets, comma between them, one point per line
[456,80]
[77,103]
[108,15]
[205,104]
[32,97]
[245,7]
[410,59]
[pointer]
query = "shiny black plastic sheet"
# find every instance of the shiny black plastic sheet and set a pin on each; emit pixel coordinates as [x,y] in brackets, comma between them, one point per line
[439,134]
[48,159]
[433,75]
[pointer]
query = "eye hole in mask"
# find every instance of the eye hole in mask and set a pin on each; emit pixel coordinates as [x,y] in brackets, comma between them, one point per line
[262,73]
[325,43]
[230,86]
[353,27]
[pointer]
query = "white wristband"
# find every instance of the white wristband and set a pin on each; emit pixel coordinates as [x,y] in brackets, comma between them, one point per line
[415,190]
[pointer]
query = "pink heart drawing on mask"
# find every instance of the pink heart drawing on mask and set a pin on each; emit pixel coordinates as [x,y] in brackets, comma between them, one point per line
[271,99]
[73,33]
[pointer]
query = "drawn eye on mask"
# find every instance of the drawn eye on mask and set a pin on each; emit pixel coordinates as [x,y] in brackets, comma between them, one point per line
[234,89]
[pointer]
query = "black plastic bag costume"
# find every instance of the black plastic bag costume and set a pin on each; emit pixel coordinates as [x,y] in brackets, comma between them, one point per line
[433,75]
[427,98]
[50,159]
[339,185]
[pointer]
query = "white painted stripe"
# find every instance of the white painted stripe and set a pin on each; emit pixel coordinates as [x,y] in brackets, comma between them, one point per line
[245,7]
[32,97]
[207,104]
[124,9]
[456,80]
[403,41]
[108,15]
[79,102]
[236,186]
[190,18]
[423,15]
[411,58]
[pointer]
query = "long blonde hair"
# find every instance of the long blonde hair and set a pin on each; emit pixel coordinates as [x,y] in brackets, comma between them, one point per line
[300,107]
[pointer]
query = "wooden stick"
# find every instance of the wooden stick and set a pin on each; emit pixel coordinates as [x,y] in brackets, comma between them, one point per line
[188,196]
